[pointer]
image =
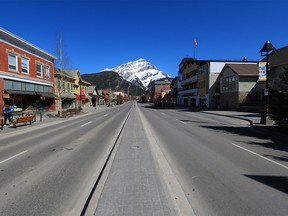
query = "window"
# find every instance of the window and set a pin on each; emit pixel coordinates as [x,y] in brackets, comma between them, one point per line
[25,65]
[229,83]
[12,62]
[39,70]
[47,72]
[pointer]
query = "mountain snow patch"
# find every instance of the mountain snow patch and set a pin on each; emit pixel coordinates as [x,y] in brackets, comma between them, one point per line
[140,72]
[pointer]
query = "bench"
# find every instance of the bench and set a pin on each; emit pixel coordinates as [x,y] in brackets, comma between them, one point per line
[1,123]
[69,112]
[22,119]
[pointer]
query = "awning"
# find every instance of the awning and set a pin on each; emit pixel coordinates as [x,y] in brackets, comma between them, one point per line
[68,95]
[83,97]
[46,94]
[21,92]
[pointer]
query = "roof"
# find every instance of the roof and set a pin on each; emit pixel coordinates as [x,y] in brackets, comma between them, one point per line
[58,71]
[19,41]
[72,72]
[280,57]
[245,69]
[91,89]
[203,61]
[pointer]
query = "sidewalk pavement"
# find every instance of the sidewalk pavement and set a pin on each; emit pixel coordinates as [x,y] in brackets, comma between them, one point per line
[252,118]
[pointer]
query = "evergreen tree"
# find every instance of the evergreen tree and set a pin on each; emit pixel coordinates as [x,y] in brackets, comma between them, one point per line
[279,102]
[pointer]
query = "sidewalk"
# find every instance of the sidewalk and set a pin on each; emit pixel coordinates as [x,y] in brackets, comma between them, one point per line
[133,186]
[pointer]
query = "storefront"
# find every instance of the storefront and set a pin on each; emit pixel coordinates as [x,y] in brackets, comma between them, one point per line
[27,95]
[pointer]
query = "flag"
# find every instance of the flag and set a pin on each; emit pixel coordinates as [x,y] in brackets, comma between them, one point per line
[195,42]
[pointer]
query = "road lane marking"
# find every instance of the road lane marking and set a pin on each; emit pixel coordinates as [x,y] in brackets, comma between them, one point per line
[86,124]
[13,157]
[279,164]
[163,113]
[181,121]
[105,115]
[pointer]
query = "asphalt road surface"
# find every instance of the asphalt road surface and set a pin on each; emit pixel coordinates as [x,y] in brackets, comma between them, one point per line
[224,166]
[50,169]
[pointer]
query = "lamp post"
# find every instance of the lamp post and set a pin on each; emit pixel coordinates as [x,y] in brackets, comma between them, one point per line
[80,96]
[267,49]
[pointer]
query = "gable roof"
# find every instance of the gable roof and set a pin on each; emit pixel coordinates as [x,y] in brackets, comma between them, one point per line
[245,69]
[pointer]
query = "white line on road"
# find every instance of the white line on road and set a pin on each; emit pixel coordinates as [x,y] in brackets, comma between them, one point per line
[260,156]
[105,115]
[85,124]
[182,122]
[163,113]
[13,157]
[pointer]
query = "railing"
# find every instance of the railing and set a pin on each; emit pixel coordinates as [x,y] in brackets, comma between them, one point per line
[189,80]
[189,91]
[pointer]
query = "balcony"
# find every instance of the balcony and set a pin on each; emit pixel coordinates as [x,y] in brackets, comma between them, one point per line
[189,80]
[188,92]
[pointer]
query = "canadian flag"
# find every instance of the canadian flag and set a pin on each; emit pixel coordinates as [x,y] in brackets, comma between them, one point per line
[195,42]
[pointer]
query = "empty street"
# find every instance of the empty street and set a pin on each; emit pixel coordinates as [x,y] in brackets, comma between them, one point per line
[156,161]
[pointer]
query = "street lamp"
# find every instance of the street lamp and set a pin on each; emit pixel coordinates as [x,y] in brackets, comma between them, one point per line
[267,49]
[80,96]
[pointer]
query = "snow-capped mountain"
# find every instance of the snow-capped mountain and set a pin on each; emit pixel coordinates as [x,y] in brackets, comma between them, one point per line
[140,72]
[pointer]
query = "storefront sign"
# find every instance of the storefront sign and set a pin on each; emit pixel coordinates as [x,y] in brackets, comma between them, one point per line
[6,96]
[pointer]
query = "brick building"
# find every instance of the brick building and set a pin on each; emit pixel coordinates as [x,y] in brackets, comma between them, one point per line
[162,87]
[26,74]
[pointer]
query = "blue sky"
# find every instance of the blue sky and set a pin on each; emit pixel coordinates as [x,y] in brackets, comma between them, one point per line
[100,34]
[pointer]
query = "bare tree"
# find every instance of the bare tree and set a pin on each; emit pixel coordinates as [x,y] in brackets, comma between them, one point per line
[62,63]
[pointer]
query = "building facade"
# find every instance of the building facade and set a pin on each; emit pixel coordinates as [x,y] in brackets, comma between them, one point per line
[64,90]
[71,89]
[197,81]
[162,87]
[239,86]
[26,74]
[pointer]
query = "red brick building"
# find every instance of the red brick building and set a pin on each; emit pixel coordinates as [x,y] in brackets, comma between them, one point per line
[162,87]
[26,74]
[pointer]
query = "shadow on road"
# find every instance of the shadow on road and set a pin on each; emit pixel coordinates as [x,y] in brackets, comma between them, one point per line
[272,139]
[278,182]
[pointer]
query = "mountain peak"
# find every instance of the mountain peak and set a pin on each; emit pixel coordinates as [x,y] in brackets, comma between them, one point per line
[139,72]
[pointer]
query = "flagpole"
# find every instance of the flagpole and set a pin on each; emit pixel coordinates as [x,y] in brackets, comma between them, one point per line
[194,45]
[194,49]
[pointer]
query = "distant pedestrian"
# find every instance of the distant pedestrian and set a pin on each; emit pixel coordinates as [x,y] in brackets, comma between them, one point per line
[7,113]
